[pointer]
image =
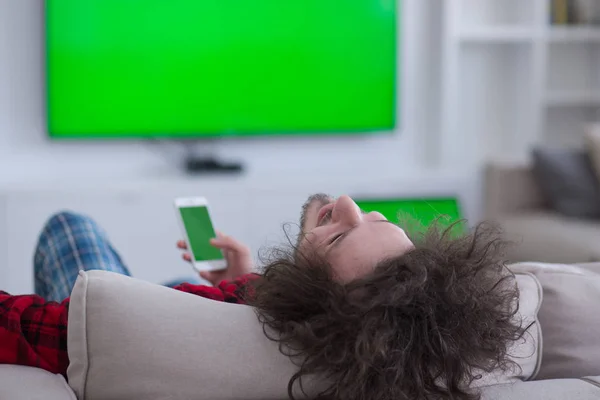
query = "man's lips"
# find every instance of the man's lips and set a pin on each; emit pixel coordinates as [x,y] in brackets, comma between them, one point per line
[323,212]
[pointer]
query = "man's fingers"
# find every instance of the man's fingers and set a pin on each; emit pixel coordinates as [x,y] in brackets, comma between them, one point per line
[182,245]
[210,276]
[187,257]
[205,275]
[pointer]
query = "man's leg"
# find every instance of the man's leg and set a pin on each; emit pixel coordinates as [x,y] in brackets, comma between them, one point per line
[70,243]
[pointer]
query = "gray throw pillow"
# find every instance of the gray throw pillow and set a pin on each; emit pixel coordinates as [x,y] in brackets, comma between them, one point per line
[568,182]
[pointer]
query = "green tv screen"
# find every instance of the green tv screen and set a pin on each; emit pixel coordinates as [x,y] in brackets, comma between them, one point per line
[194,68]
[418,213]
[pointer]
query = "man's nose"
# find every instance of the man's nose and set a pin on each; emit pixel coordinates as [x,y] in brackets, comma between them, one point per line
[346,211]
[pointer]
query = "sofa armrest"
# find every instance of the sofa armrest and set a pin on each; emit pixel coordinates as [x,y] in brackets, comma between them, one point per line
[509,189]
[592,267]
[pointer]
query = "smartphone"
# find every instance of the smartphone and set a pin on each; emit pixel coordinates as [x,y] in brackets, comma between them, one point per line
[197,226]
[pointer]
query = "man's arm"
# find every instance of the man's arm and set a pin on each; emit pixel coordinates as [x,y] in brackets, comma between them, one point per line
[33,332]
[234,291]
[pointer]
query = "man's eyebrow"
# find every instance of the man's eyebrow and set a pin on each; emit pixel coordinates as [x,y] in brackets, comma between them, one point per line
[344,235]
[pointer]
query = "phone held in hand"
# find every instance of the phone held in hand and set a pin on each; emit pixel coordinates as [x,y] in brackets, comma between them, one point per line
[197,226]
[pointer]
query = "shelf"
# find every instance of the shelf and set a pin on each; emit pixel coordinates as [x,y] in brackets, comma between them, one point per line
[574,34]
[497,34]
[524,34]
[573,98]
[497,12]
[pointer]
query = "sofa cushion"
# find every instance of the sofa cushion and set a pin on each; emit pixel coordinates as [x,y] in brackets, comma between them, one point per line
[551,237]
[569,319]
[25,383]
[131,339]
[555,389]
[568,181]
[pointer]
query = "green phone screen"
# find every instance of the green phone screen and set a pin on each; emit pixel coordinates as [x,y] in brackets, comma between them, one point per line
[199,228]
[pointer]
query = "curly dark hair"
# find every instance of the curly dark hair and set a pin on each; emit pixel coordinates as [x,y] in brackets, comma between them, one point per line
[424,325]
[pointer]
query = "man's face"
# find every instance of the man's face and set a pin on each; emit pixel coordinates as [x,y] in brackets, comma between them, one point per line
[351,241]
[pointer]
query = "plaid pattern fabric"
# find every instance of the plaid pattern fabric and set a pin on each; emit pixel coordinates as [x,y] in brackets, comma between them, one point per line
[70,243]
[33,331]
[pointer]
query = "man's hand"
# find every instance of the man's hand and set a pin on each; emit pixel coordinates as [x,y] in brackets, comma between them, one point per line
[237,256]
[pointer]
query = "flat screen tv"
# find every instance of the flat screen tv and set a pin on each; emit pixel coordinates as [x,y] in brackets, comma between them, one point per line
[205,68]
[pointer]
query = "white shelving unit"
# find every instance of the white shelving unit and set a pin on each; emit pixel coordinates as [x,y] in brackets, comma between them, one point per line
[512,80]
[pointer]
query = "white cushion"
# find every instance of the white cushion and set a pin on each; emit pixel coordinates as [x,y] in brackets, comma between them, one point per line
[25,383]
[569,318]
[130,339]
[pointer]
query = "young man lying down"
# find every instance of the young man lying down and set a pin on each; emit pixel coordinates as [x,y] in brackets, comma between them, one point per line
[384,316]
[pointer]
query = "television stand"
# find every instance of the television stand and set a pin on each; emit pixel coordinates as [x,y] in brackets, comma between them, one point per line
[210,165]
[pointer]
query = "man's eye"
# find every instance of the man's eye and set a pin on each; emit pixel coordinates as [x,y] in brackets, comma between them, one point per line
[336,237]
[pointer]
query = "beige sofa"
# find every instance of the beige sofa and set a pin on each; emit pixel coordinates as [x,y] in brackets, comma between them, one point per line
[133,340]
[512,198]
